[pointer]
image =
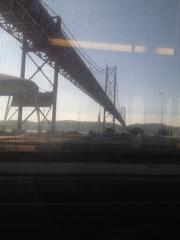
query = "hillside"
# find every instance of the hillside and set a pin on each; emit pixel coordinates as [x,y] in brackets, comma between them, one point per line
[68,125]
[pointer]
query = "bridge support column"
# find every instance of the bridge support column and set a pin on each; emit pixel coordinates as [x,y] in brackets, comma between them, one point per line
[110,90]
[55,84]
[55,88]
[23,69]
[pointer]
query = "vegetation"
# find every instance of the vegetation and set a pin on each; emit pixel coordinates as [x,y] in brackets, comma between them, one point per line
[136,131]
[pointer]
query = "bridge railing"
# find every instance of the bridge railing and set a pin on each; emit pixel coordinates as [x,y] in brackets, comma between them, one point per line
[98,72]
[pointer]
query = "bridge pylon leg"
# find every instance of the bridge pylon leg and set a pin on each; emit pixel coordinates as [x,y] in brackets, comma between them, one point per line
[23,69]
[110,90]
[55,89]
[55,84]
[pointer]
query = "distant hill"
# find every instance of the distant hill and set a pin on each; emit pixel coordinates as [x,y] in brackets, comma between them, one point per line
[68,125]
[153,128]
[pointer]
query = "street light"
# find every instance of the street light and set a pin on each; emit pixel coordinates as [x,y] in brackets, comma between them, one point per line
[161,94]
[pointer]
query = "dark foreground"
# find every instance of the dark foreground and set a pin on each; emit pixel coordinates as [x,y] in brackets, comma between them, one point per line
[91,192]
[93,206]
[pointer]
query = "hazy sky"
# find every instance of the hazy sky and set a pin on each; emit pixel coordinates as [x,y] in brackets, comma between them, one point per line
[152,26]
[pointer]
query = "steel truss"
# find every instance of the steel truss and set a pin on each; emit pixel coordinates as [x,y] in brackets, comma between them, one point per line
[12,29]
[123,113]
[37,108]
[27,48]
[110,90]
[30,21]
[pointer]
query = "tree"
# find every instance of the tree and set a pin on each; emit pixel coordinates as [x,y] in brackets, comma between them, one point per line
[136,131]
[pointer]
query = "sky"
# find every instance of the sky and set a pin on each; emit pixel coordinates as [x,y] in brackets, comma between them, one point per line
[150,29]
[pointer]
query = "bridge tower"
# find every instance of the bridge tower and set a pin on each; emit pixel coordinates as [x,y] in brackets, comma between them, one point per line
[26,50]
[123,113]
[110,90]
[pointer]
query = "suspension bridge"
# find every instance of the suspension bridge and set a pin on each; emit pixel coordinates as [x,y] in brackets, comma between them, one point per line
[34,26]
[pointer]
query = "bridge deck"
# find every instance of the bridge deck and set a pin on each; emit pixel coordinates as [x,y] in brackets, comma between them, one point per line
[29,20]
[25,93]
